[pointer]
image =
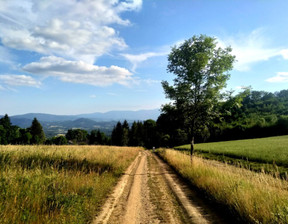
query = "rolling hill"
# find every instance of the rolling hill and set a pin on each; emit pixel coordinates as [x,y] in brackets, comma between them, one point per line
[59,124]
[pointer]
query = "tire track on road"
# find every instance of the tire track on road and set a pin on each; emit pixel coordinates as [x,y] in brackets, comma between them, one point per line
[151,192]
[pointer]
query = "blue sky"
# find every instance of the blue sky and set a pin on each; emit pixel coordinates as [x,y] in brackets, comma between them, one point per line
[84,56]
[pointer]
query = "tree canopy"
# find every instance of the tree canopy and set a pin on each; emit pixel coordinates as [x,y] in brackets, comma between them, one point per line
[36,130]
[8,132]
[201,70]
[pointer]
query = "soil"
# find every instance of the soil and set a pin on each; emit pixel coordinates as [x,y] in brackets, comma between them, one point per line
[151,192]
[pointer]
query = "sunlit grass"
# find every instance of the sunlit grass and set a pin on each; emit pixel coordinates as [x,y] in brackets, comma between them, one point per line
[269,154]
[256,197]
[273,149]
[63,184]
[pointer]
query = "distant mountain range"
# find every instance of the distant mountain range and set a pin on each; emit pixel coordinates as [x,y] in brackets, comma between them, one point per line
[59,124]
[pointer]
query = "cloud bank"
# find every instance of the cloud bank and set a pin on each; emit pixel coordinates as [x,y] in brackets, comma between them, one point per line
[79,72]
[68,28]
[69,35]
[18,80]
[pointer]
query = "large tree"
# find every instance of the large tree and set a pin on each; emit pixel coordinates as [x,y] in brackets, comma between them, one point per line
[201,72]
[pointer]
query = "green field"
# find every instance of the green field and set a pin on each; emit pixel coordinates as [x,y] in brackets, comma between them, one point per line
[49,184]
[270,154]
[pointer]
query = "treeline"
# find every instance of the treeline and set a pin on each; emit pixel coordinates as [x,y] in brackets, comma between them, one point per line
[139,134]
[12,134]
[249,114]
[80,137]
[261,114]
[145,134]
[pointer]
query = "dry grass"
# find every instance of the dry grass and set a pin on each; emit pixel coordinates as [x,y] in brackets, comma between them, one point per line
[256,197]
[58,184]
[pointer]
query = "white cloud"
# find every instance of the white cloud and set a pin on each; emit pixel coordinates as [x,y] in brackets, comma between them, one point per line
[280,77]
[136,59]
[19,80]
[79,72]
[251,48]
[75,29]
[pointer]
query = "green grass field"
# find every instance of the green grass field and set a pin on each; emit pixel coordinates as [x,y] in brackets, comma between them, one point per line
[270,154]
[63,184]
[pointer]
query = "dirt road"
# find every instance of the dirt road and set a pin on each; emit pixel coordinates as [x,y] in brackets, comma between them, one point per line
[150,192]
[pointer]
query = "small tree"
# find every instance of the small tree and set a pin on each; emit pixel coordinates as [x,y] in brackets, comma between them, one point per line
[97,137]
[36,130]
[150,136]
[201,72]
[78,136]
[133,135]
[125,133]
[25,136]
[93,137]
[9,133]
[101,138]
[117,133]
[60,140]
[3,139]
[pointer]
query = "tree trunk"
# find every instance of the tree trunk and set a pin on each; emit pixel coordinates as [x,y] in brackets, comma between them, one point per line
[192,148]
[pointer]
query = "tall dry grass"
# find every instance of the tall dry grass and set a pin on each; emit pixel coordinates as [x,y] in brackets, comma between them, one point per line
[58,184]
[256,197]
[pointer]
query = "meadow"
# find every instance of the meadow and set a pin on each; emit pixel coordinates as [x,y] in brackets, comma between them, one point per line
[262,154]
[254,197]
[58,184]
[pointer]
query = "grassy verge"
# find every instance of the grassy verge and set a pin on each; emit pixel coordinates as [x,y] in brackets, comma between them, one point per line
[265,154]
[49,184]
[256,197]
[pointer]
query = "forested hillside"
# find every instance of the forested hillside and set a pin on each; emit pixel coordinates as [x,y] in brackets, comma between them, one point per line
[261,114]
[249,114]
